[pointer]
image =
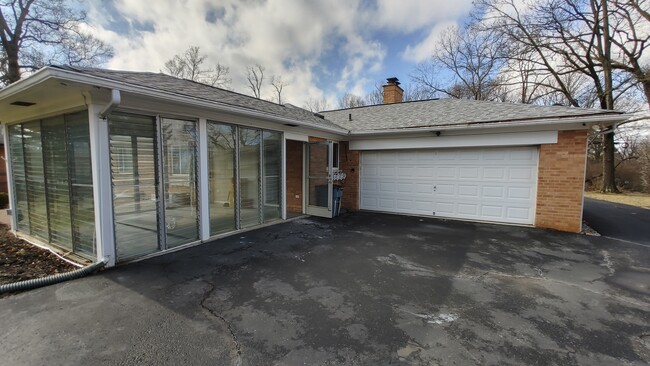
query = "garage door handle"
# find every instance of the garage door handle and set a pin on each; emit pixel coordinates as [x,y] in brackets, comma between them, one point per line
[434,188]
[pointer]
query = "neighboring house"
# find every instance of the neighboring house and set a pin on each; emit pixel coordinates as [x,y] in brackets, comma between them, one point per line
[124,165]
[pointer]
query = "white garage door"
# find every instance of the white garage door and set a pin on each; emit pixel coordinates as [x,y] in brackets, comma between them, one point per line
[486,184]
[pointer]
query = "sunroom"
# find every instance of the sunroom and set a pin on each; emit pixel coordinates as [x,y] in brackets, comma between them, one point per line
[118,166]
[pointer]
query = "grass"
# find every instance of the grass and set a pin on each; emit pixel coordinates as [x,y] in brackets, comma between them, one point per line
[630,198]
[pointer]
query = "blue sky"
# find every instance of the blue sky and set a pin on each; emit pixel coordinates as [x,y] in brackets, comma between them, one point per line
[322,49]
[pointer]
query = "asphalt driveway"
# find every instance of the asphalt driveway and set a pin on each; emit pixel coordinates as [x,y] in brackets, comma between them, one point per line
[363,289]
[618,221]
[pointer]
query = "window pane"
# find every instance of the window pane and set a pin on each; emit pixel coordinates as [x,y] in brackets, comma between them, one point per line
[272,175]
[249,176]
[133,139]
[179,176]
[19,177]
[35,180]
[221,169]
[81,183]
[56,177]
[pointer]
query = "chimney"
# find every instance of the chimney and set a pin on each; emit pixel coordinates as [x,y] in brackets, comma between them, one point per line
[392,91]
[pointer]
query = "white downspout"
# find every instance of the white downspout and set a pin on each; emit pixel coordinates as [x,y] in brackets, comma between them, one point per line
[116,99]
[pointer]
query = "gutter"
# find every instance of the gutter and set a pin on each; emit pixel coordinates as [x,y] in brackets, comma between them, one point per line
[72,76]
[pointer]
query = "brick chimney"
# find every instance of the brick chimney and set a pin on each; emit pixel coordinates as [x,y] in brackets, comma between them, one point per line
[392,91]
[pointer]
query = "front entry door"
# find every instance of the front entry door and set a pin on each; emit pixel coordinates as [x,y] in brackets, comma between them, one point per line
[319,178]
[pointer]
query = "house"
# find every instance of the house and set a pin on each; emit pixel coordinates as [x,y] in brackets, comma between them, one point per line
[125,165]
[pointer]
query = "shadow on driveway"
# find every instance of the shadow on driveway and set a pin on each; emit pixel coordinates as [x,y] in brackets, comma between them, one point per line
[360,289]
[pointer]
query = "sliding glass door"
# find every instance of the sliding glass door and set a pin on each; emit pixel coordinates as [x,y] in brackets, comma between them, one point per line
[179,142]
[250,141]
[272,175]
[134,170]
[221,174]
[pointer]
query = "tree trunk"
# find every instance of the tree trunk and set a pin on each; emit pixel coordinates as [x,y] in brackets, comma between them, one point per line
[609,179]
[13,67]
[609,167]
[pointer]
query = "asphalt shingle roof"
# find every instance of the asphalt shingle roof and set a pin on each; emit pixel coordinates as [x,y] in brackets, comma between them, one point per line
[449,112]
[167,83]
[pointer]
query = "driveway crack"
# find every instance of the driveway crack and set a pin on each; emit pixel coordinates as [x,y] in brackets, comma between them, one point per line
[233,336]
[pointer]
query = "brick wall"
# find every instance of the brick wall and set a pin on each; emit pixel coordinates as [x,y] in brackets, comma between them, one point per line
[561,182]
[294,176]
[350,165]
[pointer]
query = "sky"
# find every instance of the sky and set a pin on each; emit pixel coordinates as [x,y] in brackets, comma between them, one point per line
[321,49]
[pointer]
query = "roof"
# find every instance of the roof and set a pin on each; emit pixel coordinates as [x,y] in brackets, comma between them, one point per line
[451,112]
[171,84]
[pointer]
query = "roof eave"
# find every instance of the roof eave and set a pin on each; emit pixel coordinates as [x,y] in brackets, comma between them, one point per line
[71,76]
[538,123]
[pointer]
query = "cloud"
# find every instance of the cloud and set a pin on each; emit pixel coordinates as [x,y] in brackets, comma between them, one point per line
[423,50]
[290,38]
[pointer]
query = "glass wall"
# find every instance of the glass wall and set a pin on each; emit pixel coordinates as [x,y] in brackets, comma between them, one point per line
[272,175]
[249,176]
[221,171]
[56,175]
[134,172]
[46,169]
[21,211]
[179,176]
[81,183]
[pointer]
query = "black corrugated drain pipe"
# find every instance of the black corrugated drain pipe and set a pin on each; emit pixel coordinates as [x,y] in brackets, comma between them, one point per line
[50,280]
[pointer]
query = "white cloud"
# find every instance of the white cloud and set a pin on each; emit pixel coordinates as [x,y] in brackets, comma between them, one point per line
[423,50]
[291,38]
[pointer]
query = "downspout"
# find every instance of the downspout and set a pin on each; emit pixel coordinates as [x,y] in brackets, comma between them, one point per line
[116,99]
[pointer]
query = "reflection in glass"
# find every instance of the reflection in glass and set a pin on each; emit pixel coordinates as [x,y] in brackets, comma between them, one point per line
[272,175]
[179,178]
[221,170]
[21,211]
[56,176]
[81,183]
[133,173]
[249,176]
[35,180]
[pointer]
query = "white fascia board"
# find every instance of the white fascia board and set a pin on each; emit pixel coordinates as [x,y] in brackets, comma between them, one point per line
[433,141]
[172,97]
[296,136]
[538,124]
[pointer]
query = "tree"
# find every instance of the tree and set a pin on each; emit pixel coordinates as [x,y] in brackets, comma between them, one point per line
[348,100]
[278,85]
[255,78]
[317,105]
[465,65]
[36,33]
[569,40]
[188,65]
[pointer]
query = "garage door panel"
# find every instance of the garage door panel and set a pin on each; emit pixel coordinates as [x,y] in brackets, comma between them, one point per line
[468,190]
[446,172]
[524,173]
[520,193]
[469,173]
[491,184]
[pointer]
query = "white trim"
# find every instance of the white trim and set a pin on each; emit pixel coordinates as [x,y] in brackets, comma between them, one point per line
[204,183]
[102,189]
[433,141]
[296,136]
[10,180]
